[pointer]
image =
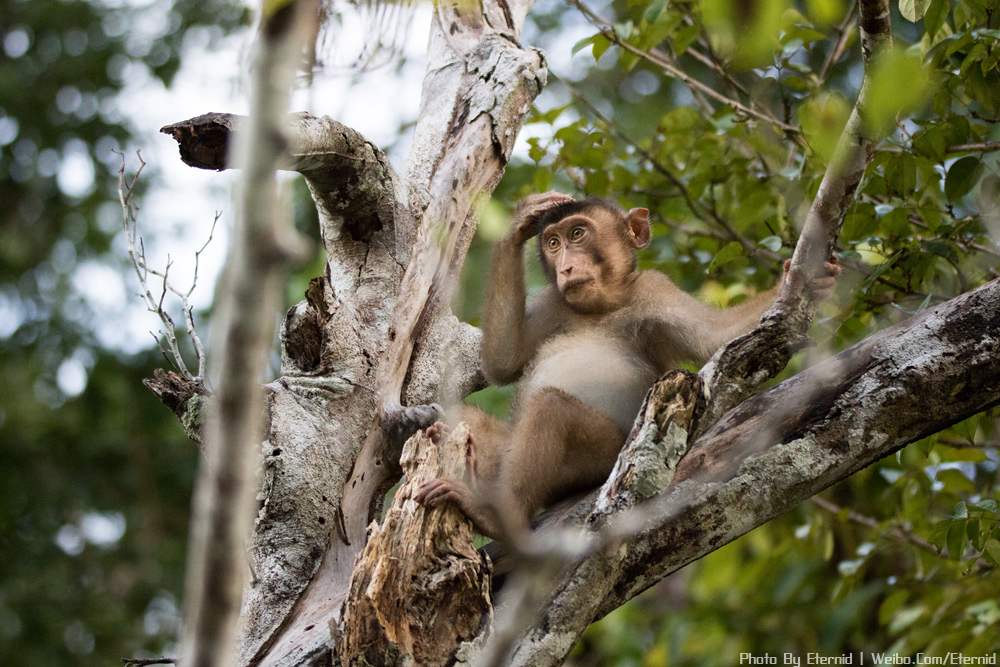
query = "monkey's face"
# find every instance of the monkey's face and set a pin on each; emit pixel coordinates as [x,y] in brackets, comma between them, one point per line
[589,259]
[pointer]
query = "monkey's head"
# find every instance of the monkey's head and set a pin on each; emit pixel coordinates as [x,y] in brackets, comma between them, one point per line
[587,249]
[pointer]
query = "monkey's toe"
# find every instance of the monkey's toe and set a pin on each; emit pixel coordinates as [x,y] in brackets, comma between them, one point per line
[437,430]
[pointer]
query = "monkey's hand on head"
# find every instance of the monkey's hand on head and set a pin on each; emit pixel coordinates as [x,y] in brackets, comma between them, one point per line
[822,285]
[524,221]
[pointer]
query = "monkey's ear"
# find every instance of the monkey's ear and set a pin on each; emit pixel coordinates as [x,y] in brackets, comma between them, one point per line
[638,224]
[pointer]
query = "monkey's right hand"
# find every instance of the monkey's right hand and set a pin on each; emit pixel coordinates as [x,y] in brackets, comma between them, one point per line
[524,221]
[440,490]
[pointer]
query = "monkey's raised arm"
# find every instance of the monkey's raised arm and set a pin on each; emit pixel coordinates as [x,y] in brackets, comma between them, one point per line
[511,337]
[692,331]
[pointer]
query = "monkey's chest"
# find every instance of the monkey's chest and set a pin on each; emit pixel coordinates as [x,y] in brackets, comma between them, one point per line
[600,371]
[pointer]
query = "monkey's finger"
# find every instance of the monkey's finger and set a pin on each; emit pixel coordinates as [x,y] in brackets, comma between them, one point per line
[824,284]
[833,269]
[426,490]
[441,493]
[436,431]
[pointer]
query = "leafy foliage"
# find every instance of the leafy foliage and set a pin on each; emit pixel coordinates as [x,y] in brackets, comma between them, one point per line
[97,475]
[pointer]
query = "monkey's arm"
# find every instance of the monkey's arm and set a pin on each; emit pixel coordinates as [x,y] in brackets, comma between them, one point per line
[511,336]
[693,331]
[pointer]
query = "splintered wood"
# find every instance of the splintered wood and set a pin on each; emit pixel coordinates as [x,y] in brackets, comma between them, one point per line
[420,588]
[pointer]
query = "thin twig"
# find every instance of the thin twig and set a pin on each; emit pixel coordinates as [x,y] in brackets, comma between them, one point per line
[137,253]
[896,533]
[844,30]
[142,662]
[673,71]
[126,191]
[986,147]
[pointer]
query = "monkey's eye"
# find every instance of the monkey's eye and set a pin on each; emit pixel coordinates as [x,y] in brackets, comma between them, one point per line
[552,243]
[577,233]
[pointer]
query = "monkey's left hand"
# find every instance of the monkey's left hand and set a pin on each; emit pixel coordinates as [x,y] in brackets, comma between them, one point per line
[822,285]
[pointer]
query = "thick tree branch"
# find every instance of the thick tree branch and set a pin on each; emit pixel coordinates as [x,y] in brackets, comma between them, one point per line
[781,447]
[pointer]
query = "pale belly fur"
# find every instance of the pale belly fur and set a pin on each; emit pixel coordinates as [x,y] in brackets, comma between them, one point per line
[595,369]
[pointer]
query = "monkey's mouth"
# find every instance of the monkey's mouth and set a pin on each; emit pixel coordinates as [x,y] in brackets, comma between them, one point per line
[576,283]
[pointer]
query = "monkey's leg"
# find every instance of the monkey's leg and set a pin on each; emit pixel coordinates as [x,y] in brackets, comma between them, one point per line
[561,446]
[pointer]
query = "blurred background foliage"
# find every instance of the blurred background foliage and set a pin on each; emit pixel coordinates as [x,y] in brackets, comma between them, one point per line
[719,117]
[96,477]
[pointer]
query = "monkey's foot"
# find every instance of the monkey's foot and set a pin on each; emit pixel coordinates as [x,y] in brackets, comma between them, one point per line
[437,431]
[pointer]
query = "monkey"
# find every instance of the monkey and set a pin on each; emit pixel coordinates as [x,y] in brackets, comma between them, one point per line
[584,352]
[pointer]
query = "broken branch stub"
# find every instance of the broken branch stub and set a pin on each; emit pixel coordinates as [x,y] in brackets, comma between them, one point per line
[419,589]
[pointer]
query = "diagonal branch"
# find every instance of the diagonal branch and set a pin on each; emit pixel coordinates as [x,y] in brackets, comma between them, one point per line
[740,367]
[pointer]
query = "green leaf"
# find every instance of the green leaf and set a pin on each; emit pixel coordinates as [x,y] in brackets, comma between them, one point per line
[542,180]
[601,44]
[955,482]
[891,605]
[583,43]
[991,552]
[934,17]
[654,10]
[823,118]
[899,85]
[940,248]
[988,505]
[901,174]
[962,177]
[956,540]
[975,54]
[961,510]
[935,140]
[684,37]
[913,10]
[731,251]
[772,243]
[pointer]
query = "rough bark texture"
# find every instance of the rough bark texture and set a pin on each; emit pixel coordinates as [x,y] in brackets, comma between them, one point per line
[420,588]
[371,332]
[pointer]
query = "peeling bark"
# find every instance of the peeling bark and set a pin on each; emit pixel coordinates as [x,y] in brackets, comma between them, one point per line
[420,588]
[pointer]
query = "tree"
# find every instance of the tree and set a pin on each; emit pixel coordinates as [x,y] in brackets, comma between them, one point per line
[705,463]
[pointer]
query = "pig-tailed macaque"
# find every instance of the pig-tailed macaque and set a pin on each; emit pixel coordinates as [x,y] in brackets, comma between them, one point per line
[585,352]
